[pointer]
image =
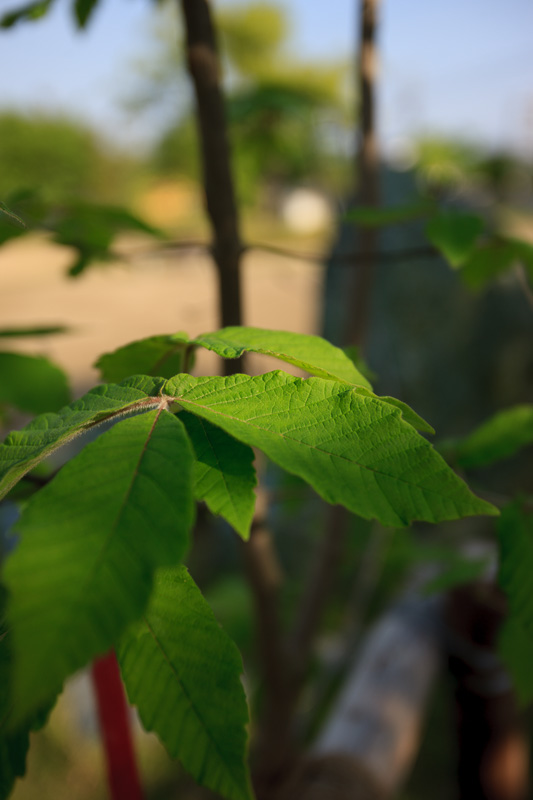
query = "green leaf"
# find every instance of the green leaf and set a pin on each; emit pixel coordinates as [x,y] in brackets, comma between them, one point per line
[24,449]
[31,11]
[410,416]
[353,450]
[11,216]
[90,542]
[310,353]
[83,10]
[156,355]
[457,572]
[376,217]
[500,437]
[42,330]
[487,262]
[454,234]
[515,535]
[224,474]
[515,645]
[91,230]
[32,383]
[14,744]
[182,672]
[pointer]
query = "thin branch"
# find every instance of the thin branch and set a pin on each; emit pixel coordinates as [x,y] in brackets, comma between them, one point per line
[350,258]
[316,595]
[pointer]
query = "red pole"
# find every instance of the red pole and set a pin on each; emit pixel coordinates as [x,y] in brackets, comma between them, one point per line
[113,713]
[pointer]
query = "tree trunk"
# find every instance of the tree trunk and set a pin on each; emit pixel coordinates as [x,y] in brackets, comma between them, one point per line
[204,68]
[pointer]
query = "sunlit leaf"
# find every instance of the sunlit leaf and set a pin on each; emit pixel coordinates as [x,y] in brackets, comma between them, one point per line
[89,544]
[353,450]
[183,674]
[310,353]
[24,449]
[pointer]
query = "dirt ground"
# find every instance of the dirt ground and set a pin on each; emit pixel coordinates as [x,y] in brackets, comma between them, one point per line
[148,294]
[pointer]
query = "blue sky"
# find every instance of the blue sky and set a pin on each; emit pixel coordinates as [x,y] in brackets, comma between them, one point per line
[458,67]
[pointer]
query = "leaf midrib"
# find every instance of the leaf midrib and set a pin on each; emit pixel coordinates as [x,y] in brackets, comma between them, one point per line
[190,701]
[77,603]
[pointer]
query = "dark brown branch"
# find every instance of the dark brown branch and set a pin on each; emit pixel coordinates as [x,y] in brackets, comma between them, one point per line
[204,68]
[319,583]
[264,577]
[368,174]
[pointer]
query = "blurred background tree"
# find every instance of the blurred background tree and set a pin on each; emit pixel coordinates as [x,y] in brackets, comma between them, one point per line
[287,116]
[61,156]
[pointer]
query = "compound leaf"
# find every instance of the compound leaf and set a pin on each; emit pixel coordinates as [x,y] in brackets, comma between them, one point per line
[183,673]
[224,474]
[24,449]
[89,544]
[353,449]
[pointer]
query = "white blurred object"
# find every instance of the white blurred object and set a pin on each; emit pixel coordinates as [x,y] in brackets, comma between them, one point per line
[306,211]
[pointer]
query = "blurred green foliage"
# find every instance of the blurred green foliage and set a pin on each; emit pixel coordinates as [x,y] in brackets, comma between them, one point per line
[283,113]
[59,157]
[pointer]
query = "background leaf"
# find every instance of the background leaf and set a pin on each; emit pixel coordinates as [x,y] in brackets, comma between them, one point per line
[454,234]
[30,11]
[32,383]
[499,437]
[515,535]
[353,450]
[11,217]
[156,355]
[83,10]
[516,649]
[41,330]
[224,474]
[183,674]
[90,542]
[379,217]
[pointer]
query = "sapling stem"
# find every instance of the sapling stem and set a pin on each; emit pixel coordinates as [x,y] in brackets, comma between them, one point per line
[113,713]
